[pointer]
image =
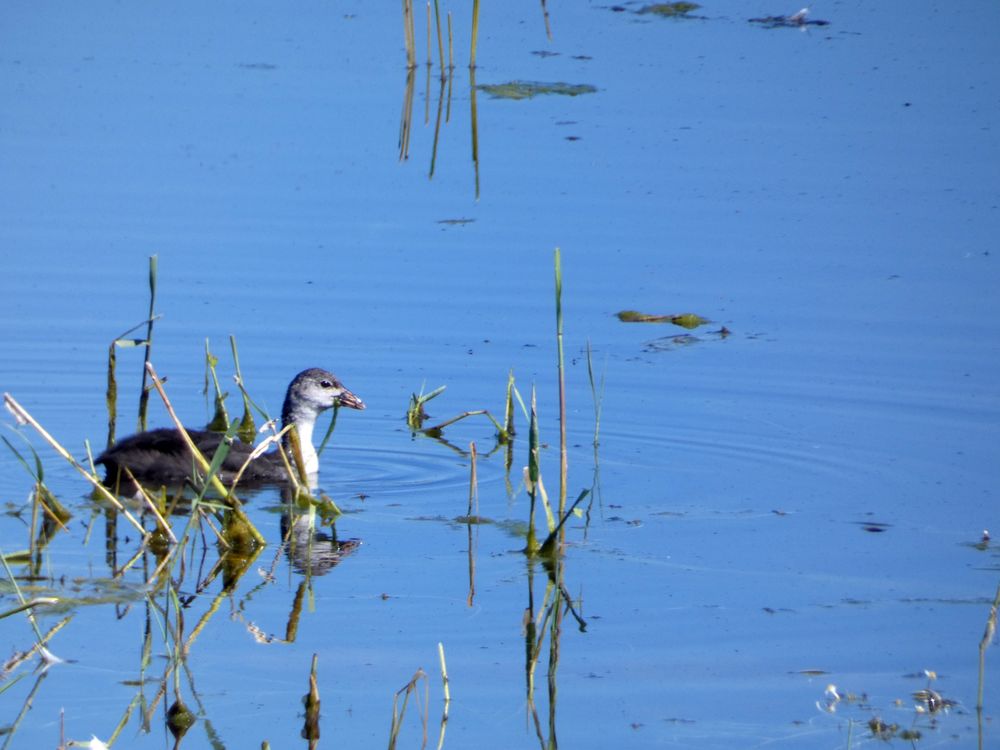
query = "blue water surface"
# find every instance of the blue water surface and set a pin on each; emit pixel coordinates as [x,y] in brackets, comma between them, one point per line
[793,504]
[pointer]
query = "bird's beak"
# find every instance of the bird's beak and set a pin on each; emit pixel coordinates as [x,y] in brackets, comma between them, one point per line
[346,398]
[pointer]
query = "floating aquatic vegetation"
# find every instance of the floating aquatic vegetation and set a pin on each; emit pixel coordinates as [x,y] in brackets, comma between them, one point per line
[882,731]
[684,320]
[670,10]
[529,89]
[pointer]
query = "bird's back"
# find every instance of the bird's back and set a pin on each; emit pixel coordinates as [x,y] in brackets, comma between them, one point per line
[162,456]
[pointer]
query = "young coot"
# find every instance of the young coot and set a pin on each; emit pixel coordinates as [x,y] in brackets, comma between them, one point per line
[162,457]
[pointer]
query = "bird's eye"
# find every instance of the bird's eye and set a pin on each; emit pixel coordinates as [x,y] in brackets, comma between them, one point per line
[325,384]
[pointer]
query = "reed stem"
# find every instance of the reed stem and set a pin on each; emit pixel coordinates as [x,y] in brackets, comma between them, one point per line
[990,631]
[22,415]
[232,501]
[563,460]
[409,34]
[475,34]
[451,45]
[474,122]
[447,695]
[440,41]
[144,393]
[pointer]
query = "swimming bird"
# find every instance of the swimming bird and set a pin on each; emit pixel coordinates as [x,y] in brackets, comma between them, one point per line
[162,457]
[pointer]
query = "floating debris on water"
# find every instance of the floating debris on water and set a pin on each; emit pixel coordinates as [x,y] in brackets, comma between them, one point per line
[873,527]
[684,320]
[795,21]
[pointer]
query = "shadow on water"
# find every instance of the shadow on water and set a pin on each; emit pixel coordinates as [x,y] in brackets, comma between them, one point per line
[513,90]
[443,114]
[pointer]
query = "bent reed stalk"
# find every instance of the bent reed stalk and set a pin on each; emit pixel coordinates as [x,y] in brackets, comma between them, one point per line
[232,502]
[22,415]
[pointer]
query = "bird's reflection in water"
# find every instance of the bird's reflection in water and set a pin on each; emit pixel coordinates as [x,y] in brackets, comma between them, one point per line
[310,550]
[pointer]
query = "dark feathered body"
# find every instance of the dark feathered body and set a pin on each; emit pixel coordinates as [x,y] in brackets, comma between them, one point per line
[162,456]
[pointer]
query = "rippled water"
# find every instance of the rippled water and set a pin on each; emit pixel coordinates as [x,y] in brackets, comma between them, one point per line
[794,505]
